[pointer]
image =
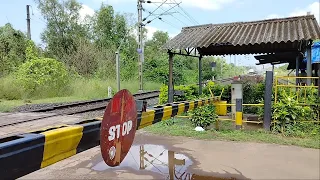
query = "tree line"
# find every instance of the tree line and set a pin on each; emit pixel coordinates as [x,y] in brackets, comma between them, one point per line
[86,46]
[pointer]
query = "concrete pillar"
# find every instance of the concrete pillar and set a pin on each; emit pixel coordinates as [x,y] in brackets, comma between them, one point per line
[236,93]
[170,82]
[309,67]
[267,101]
[239,114]
[318,72]
[200,75]
[297,70]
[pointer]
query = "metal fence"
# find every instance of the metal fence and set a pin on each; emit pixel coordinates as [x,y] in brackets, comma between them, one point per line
[296,87]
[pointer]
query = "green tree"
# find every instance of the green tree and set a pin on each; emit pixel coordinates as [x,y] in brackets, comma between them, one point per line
[31,51]
[12,49]
[63,26]
[109,28]
[159,38]
[156,66]
[102,26]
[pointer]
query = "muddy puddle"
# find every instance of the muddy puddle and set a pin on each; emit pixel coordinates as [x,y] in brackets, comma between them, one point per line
[157,159]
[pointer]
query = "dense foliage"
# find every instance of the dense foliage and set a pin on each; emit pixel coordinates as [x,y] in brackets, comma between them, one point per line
[190,93]
[292,118]
[42,73]
[12,49]
[203,116]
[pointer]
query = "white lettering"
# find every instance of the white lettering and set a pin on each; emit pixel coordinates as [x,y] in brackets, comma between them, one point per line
[129,127]
[118,130]
[114,131]
[124,129]
[111,133]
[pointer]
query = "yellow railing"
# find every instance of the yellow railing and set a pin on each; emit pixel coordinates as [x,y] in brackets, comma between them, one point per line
[297,87]
[300,89]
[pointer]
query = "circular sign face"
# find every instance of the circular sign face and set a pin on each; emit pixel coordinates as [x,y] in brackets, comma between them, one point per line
[118,128]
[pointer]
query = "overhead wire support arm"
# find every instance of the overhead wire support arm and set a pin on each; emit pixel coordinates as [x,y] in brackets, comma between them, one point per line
[155,9]
[158,2]
[168,13]
[174,17]
[162,14]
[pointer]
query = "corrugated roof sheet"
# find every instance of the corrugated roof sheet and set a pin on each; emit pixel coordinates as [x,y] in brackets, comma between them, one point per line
[272,31]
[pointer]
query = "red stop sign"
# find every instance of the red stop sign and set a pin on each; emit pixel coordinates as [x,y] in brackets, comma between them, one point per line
[118,128]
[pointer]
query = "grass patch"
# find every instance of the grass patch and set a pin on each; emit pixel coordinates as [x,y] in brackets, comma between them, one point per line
[183,127]
[11,94]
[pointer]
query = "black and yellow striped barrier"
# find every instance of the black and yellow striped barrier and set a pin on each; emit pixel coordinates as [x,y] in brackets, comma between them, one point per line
[25,153]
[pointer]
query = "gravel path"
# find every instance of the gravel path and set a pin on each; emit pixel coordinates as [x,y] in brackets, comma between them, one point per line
[30,107]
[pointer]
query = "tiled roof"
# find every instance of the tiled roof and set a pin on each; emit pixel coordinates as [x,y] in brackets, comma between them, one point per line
[272,31]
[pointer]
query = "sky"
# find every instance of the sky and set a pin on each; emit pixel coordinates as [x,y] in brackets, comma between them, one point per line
[188,13]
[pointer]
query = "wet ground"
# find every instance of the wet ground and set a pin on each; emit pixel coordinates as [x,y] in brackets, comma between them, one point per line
[155,157]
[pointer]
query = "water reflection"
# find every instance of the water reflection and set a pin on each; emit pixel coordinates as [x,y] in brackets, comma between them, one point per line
[157,159]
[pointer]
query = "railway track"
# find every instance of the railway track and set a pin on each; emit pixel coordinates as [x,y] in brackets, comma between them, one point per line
[77,108]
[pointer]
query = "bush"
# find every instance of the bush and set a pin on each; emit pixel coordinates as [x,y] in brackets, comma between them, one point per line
[291,118]
[190,93]
[31,51]
[253,93]
[203,116]
[10,89]
[42,74]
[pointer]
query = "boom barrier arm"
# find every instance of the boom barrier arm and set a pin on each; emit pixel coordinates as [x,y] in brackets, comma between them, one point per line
[24,153]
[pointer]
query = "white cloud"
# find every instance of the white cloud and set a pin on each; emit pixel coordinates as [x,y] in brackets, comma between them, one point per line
[206,4]
[312,8]
[85,11]
[273,16]
[151,30]
[172,35]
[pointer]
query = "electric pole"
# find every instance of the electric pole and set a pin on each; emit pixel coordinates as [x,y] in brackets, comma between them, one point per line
[140,45]
[28,22]
[141,24]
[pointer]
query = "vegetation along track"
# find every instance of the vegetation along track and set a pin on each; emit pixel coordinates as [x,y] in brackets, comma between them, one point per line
[78,108]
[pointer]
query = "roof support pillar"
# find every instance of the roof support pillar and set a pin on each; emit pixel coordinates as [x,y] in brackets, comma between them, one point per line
[200,75]
[297,70]
[267,101]
[170,81]
[309,67]
[318,74]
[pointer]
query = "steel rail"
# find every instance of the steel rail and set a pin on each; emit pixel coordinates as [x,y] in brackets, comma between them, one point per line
[149,95]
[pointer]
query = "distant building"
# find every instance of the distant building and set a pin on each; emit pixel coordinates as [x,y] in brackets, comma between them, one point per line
[252,72]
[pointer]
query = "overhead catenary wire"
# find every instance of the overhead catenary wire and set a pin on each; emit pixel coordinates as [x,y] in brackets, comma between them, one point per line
[39,21]
[176,17]
[161,19]
[188,17]
[170,24]
[157,17]
[154,10]
[191,18]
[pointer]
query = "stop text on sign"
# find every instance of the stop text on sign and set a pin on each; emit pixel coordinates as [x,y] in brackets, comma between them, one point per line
[117,130]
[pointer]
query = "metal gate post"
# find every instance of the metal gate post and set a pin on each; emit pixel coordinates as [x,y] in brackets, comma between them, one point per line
[239,114]
[200,75]
[267,100]
[170,82]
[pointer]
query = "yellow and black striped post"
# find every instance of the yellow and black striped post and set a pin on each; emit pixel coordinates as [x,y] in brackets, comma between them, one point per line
[238,113]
